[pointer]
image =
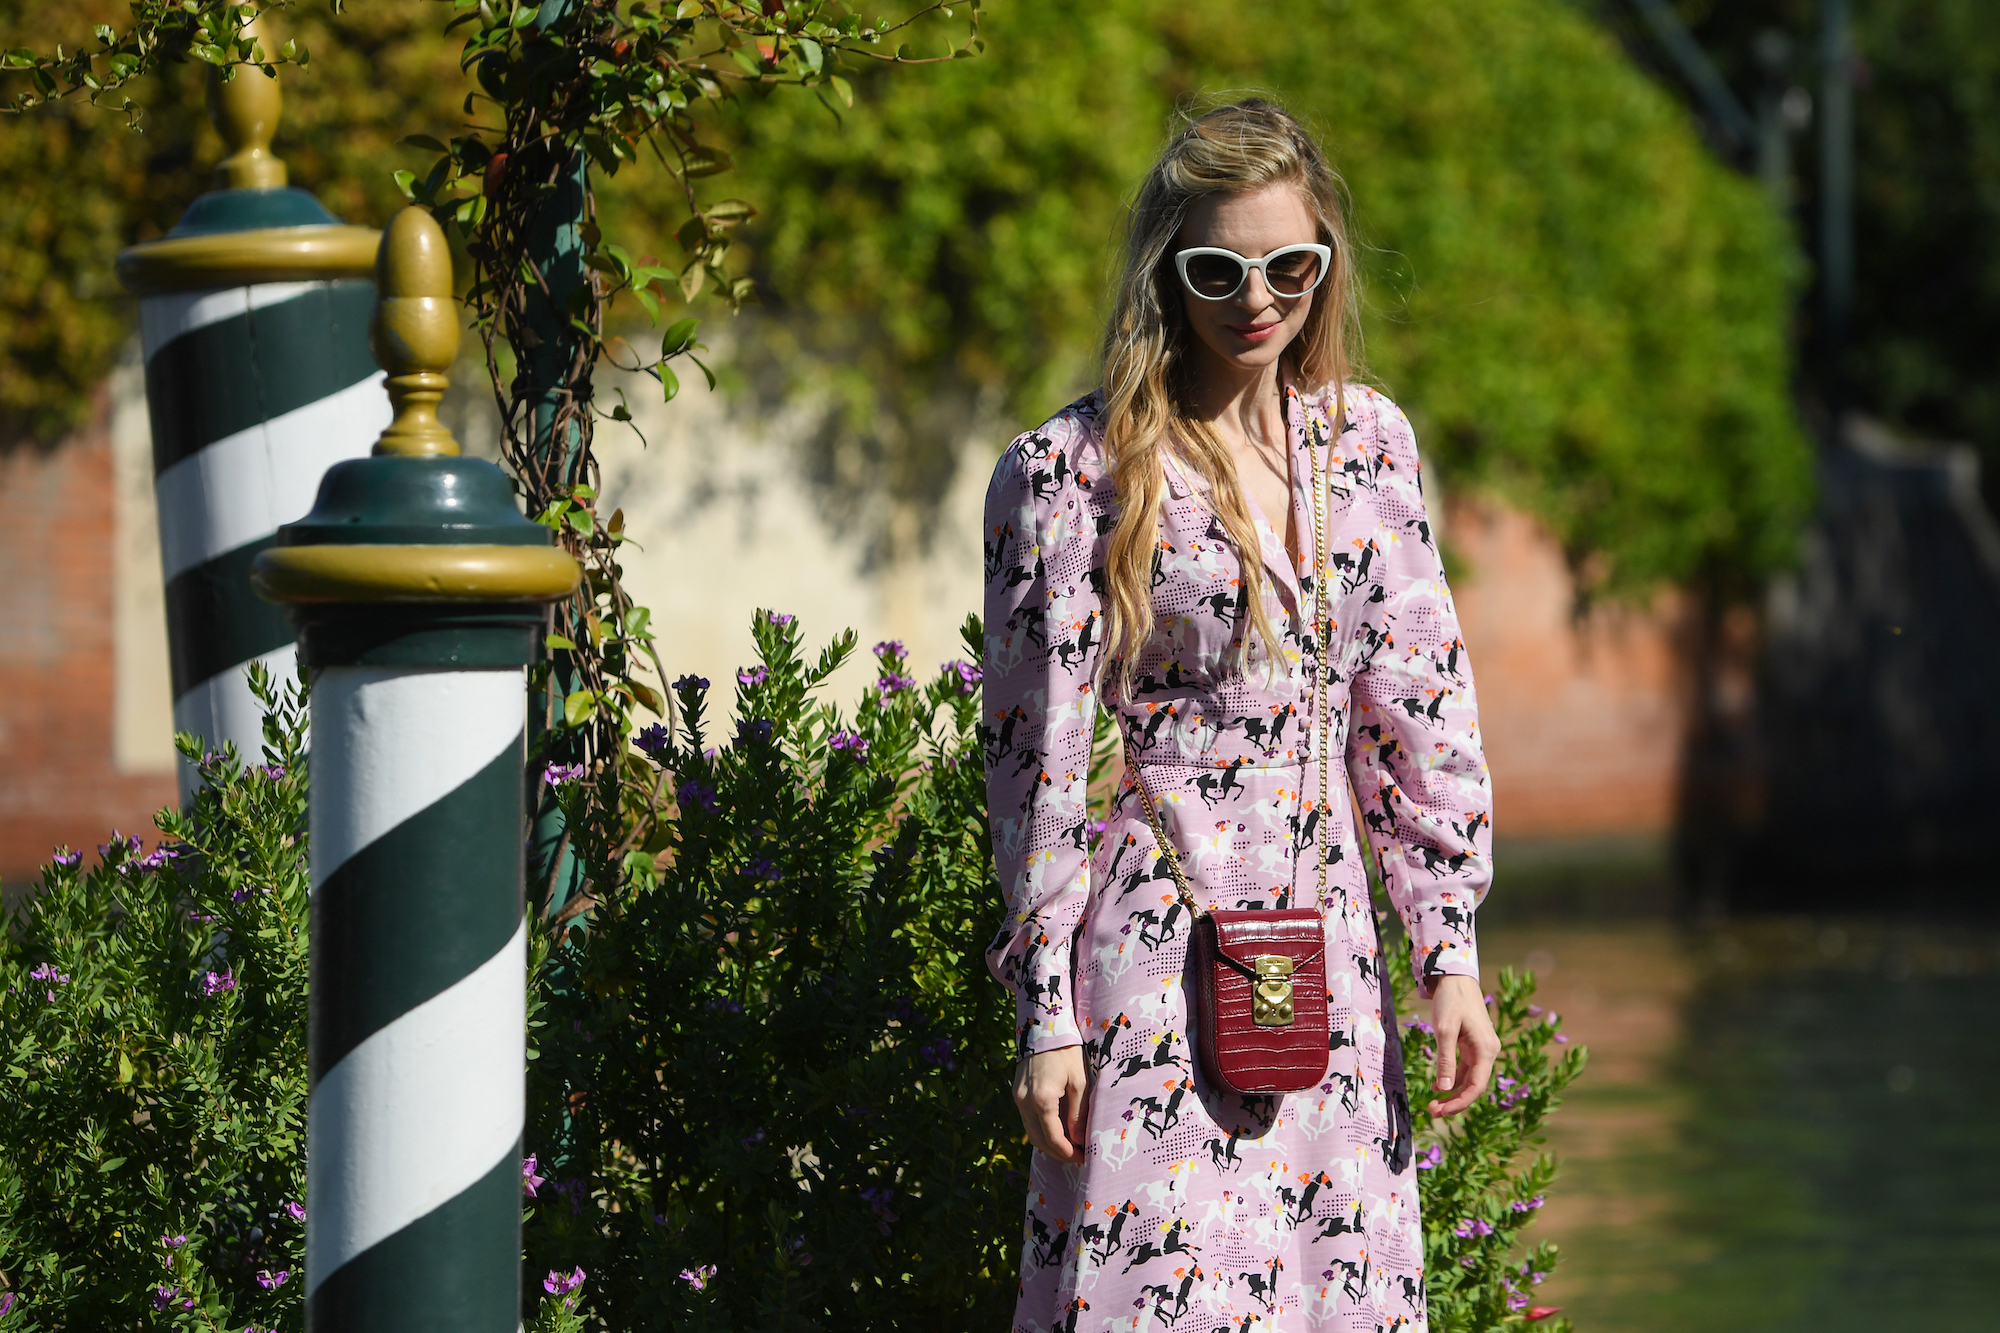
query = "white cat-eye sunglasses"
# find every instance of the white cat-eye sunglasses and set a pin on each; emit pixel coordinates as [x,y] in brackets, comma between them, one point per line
[1215,274]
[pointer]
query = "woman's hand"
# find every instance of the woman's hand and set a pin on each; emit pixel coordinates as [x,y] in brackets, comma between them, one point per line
[1048,1089]
[1466,1043]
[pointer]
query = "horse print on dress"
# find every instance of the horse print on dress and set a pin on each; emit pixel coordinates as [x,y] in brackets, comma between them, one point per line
[1194,1209]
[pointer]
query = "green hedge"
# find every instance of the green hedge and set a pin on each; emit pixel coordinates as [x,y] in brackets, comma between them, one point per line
[1581,308]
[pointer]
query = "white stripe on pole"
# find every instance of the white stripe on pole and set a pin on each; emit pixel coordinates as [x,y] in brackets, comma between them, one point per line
[222,708]
[243,486]
[169,315]
[419,1112]
[408,738]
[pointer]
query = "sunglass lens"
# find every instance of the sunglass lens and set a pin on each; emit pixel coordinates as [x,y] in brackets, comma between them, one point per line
[1214,275]
[1294,273]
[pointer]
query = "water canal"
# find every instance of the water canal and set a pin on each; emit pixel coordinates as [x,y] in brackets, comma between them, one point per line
[1787,1123]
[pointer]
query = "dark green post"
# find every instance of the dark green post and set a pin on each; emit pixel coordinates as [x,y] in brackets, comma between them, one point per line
[420,595]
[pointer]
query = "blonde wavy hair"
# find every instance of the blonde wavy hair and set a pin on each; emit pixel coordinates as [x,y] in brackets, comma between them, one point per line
[1148,366]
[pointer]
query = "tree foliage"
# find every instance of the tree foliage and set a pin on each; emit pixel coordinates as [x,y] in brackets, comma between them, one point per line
[1581,308]
[1927,198]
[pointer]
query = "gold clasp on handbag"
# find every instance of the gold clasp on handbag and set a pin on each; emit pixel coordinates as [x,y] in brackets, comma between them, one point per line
[1271,1005]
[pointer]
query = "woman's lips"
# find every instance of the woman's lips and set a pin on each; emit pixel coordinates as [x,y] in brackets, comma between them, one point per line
[1255,333]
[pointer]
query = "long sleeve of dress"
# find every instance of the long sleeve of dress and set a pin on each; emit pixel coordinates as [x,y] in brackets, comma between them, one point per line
[1044,633]
[1414,751]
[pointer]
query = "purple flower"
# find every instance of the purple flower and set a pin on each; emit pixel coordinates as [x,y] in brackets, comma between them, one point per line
[969,675]
[562,1284]
[891,648]
[890,681]
[1528,1205]
[720,1005]
[652,740]
[796,1247]
[529,1180]
[270,1281]
[753,1140]
[1422,1026]
[215,983]
[6,1303]
[47,972]
[690,684]
[272,772]
[119,842]
[68,859]
[698,1277]
[163,1296]
[692,794]
[173,1242]
[295,1210]
[1534,1011]
[877,1198]
[1430,1160]
[756,675]
[851,741]
[753,729]
[1473,1227]
[1486,999]
[158,858]
[1516,1301]
[763,867]
[778,618]
[903,1010]
[1562,1036]
[938,1052]
[557,774]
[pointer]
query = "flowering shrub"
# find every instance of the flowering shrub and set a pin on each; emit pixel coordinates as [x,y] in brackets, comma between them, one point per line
[1477,1192]
[771,1077]
[153,1065]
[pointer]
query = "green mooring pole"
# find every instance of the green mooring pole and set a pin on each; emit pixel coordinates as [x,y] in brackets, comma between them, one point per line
[253,312]
[555,244]
[420,595]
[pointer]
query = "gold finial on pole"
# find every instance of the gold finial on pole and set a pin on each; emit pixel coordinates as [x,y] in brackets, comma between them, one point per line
[245,113]
[414,332]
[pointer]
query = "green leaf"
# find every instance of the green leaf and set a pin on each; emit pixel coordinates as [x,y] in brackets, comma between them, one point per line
[729,213]
[423,141]
[679,336]
[406,181]
[111,1165]
[524,16]
[578,706]
[558,641]
[670,383]
[845,89]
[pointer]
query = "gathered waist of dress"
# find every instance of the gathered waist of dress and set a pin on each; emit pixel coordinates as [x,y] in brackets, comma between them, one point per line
[1216,761]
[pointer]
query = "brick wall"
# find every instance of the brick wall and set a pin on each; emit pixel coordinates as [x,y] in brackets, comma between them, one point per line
[1584,718]
[60,779]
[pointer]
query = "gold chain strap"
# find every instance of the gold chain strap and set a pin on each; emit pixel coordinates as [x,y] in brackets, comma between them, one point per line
[1321,728]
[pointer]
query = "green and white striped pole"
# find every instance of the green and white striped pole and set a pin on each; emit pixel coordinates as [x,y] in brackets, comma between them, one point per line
[420,594]
[253,313]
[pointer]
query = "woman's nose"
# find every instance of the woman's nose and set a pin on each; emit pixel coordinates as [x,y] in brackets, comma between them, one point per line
[1255,293]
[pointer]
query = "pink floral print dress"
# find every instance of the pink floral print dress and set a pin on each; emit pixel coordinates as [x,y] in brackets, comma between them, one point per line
[1196,1210]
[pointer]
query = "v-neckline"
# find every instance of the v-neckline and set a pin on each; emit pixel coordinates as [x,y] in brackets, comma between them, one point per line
[1287,566]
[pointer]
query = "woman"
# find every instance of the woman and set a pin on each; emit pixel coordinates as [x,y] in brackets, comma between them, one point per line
[1154,542]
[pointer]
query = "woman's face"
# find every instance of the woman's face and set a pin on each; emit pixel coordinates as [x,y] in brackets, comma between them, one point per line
[1250,330]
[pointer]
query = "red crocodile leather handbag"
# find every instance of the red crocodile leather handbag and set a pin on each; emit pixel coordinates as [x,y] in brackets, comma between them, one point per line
[1260,999]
